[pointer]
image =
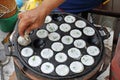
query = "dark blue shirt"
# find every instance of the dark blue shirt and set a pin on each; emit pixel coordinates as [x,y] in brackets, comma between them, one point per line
[76,6]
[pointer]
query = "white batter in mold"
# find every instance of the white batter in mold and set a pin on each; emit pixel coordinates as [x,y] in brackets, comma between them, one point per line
[47,67]
[69,19]
[89,31]
[27,52]
[76,67]
[35,61]
[74,53]
[67,40]
[60,57]
[65,27]
[87,60]
[80,24]
[80,43]
[52,27]
[93,50]
[47,53]
[22,41]
[57,46]
[42,33]
[54,36]
[48,19]
[62,70]
[75,33]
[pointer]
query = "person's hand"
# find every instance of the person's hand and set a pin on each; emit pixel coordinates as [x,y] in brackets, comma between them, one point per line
[31,20]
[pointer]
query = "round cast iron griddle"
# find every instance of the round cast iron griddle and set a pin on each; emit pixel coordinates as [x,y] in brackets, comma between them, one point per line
[58,18]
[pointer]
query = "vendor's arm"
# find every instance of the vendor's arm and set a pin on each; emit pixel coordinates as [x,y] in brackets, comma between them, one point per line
[33,19]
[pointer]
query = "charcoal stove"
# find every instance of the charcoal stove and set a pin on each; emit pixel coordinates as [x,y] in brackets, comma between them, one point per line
[65,47]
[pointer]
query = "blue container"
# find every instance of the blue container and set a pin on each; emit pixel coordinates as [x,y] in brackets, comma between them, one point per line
[19,3]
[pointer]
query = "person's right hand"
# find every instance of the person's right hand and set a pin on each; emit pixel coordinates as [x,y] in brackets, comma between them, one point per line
[31,20]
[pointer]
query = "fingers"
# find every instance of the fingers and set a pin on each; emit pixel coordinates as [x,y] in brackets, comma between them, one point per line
[26,26]
[32,27]
[22,26]
[29,20]
[20,15]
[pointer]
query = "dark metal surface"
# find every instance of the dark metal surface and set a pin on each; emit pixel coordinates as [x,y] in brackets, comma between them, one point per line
[96,40]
